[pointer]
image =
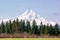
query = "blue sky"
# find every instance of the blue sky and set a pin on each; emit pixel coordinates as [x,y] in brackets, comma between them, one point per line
[50,9]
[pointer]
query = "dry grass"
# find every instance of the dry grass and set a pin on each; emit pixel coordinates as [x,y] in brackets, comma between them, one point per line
[26,35]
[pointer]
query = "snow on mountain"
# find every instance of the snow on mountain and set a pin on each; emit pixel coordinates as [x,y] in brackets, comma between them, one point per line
[30,15]
[4,20]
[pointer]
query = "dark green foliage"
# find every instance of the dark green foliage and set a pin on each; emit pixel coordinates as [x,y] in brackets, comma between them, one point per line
[7,27]
[23,26]
[51,30]
[35,28]
[45,29]
[2,27]
[14,27]
[41,28]
[28,27]
[10,27]
[17,26]
[56,29]
[20,27]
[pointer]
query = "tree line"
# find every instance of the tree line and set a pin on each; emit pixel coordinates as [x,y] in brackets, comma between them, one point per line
[20,27]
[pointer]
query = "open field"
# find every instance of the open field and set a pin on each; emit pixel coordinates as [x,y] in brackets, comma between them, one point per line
[29,38]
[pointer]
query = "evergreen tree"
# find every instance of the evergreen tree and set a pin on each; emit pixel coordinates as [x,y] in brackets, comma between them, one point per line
[41,28]
[17,21]
[14,26]
[7,27]
[56,29]
[28,27]
[51,30]
[23,25]
[45,29]
[34,28]
[2,27]
[17,25]
[10,27]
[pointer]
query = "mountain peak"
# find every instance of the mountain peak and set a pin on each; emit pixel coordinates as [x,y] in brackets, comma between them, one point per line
[31,15]
[29,12]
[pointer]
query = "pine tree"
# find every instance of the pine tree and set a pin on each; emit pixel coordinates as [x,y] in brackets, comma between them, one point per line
[10,27]
[56,29]
[20,27]
[45,29]
[14,26]
[2,27]
[28,27]
[41,28]
[51,30]
[34,28]
[7,27]
[17,25]
[23,25]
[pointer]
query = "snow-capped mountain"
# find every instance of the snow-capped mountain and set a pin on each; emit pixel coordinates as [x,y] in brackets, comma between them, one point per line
[30,15]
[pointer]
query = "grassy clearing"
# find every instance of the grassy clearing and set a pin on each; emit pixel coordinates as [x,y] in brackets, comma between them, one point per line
[29,38]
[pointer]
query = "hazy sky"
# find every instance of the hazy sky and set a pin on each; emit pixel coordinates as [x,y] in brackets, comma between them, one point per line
[50,9]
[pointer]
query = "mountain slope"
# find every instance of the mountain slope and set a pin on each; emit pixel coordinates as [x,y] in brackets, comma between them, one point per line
[30,15]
